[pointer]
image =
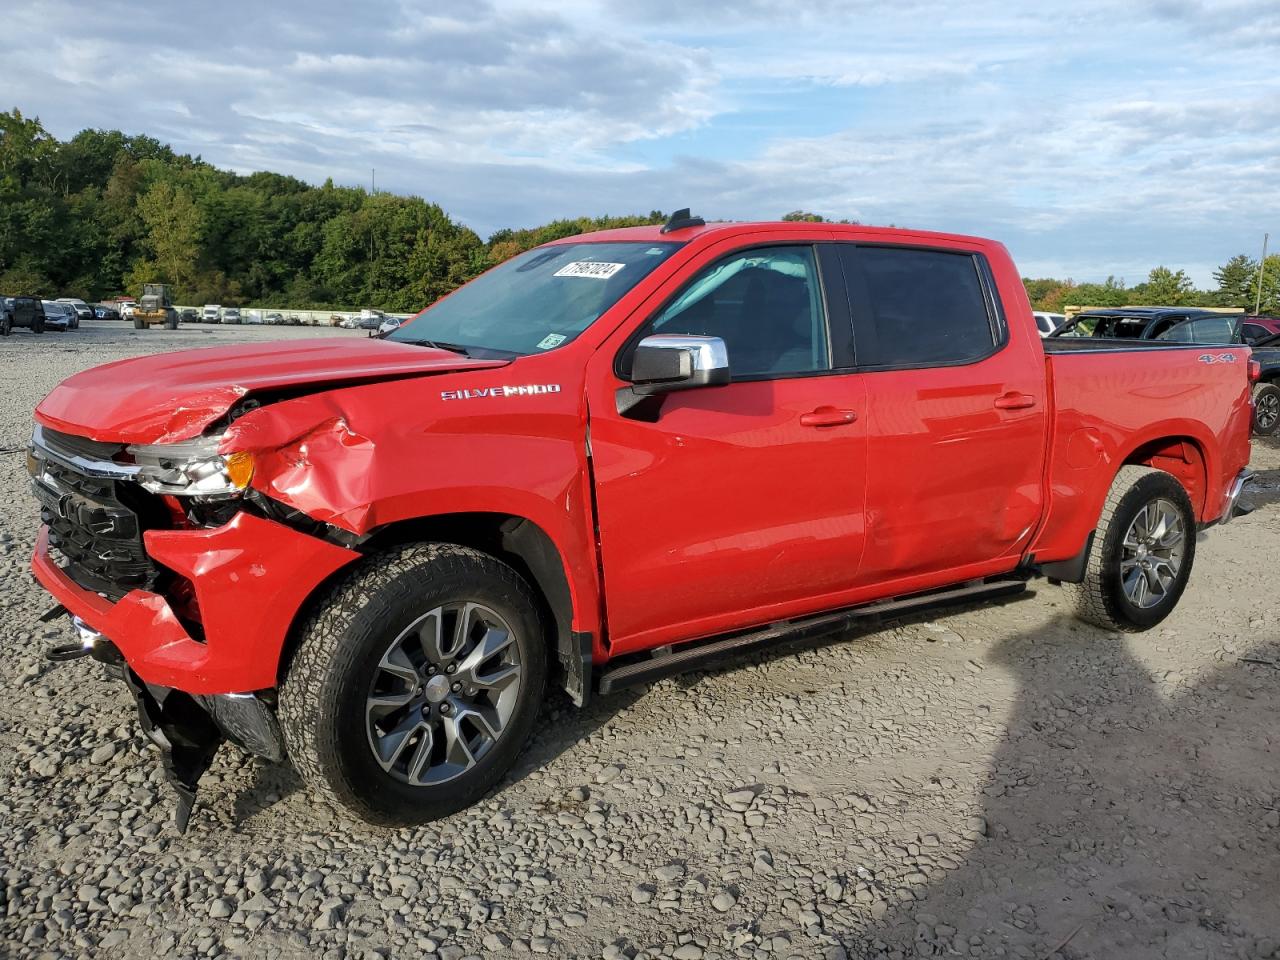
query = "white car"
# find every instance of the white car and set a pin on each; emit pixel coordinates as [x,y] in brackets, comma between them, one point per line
[127,311]
[389,325]
[1046,323]
[211,313]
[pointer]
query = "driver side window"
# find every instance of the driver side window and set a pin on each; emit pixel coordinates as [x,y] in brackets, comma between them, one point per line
[766,304]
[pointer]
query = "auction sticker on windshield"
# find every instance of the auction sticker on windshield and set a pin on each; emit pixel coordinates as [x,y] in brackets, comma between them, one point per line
[595,269]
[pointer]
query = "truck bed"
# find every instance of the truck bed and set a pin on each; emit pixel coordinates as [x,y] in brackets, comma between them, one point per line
[1055,345]
[1183,407]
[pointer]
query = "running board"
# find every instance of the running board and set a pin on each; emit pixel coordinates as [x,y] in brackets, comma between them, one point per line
[671,660]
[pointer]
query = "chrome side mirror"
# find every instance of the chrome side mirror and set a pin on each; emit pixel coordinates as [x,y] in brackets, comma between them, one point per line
[665,362]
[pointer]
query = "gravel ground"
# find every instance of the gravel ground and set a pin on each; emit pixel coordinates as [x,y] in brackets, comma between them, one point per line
[1000,782]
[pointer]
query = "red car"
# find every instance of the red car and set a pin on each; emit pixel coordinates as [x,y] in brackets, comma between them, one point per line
[1255,328]
[609,458]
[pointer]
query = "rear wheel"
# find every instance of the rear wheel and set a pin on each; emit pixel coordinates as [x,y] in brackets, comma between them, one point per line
[37,325]
[1142,552]
[1266,409]
[6,326]
[415,684]
[138,324]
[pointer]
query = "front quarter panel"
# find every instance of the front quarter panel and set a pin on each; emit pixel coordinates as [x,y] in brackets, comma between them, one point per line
[509,441]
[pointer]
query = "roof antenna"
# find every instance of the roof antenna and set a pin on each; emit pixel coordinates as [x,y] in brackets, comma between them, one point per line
[681,219]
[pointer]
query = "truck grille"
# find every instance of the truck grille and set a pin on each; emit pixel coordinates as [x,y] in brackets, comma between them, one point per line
[95,521]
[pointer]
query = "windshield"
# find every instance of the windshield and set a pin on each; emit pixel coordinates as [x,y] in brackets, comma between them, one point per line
[538,300]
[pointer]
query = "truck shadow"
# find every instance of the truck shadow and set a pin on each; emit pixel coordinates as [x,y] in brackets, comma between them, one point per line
[1125,814]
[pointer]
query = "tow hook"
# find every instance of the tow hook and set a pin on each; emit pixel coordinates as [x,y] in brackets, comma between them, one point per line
[86,639]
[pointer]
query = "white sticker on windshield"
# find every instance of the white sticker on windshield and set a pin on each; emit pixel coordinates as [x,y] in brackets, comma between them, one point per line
[551,340]
[596,269]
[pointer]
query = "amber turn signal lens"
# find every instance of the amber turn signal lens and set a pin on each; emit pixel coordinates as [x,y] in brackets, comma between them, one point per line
[239,468]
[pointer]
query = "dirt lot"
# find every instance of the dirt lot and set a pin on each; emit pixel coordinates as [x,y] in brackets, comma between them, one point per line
[999,782]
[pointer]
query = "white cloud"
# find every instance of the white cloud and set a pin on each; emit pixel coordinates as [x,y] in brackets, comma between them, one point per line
[1094,137]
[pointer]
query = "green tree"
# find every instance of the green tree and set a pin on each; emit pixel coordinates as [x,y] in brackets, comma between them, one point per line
[803,216]
[174,224]
[1270,300]
[1237,280]
[1167,287]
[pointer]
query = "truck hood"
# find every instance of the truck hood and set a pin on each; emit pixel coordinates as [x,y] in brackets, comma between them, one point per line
[167,397]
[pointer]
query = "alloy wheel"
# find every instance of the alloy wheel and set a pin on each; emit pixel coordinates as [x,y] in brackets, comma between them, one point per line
[1268,410]
[1152,553]
[443,693]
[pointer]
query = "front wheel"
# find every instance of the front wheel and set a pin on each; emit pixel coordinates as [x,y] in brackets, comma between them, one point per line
[1142,552]
[1266,409]
[415,683]
[6,326]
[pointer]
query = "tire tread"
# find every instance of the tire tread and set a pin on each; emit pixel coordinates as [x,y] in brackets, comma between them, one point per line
[330,647]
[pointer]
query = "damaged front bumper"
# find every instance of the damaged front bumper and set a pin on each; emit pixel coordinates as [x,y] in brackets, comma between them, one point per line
[187,729]
[250,577]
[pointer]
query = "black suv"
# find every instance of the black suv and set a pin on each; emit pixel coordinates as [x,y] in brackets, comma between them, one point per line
[21,312]
[1182,324]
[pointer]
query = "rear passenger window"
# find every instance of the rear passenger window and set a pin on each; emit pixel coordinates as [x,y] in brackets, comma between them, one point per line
[918,307]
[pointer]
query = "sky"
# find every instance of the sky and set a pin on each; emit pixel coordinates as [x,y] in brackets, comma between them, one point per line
[1092,138]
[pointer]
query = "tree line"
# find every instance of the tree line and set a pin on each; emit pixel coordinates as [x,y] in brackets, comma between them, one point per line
[104,212]
[1237,286]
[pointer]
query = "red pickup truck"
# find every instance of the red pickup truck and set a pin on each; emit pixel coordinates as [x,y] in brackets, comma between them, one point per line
[609,458]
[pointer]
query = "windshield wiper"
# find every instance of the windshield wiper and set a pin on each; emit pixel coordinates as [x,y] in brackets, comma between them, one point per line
[441,345]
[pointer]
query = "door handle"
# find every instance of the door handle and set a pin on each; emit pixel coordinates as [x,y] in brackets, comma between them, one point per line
[1015,401]
[827,417]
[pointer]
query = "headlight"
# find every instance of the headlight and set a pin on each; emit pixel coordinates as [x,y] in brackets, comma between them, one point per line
[193,468]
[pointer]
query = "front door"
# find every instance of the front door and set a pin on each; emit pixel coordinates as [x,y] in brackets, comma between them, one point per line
[739,504]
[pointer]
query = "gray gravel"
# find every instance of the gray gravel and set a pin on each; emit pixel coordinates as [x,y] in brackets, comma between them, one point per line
[1003,782]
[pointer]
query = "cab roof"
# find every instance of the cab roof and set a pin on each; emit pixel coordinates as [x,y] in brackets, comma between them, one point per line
[652,233]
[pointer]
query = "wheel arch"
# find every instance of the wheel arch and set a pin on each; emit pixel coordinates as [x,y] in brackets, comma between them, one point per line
[516,541]
[1182,456]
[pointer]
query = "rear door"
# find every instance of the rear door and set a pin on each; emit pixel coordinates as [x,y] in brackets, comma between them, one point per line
[739,504]
[956,407]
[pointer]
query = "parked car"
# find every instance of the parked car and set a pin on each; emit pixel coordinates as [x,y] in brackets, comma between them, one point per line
[1130,323]
[389,325]
[293,320]
[1254,328]
[693,432]
[82,310]
[275,319]
[370,319]
[103,311]
[212,313]
[230,314]
[1046,323]
[127,310]
[25,312]
[346,323]
[1265,353]
[59,315]
[188,315]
